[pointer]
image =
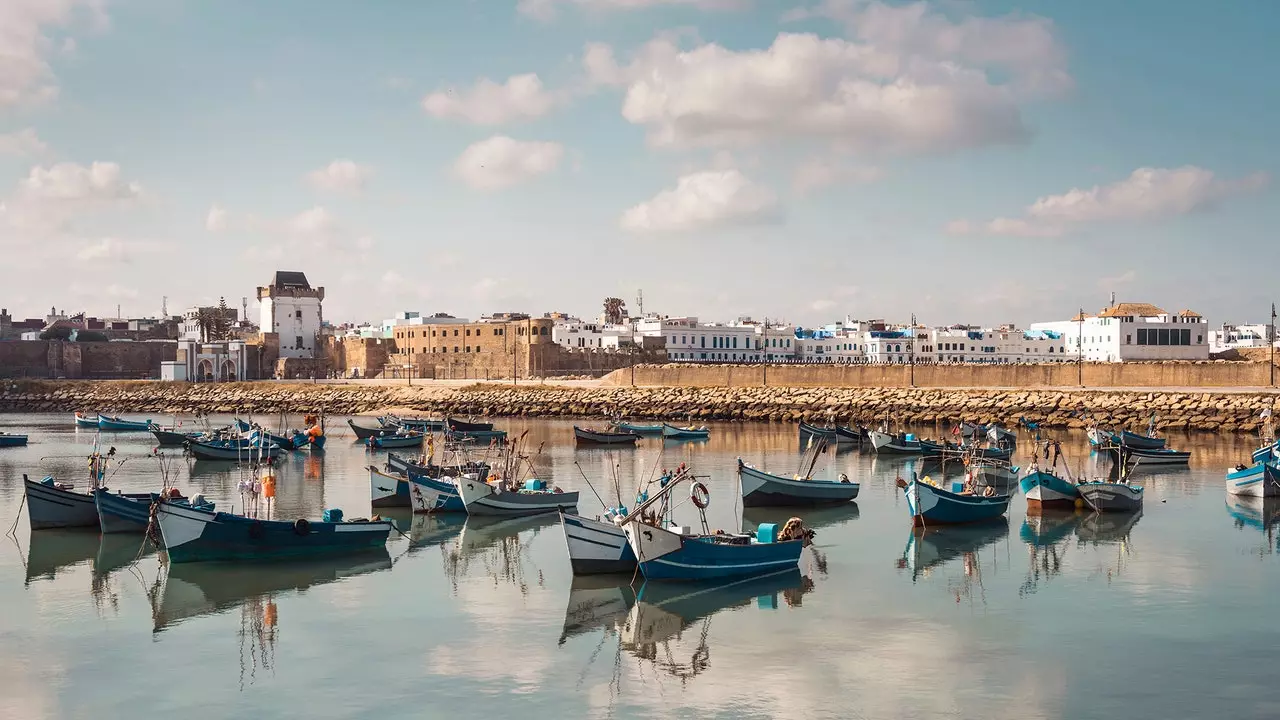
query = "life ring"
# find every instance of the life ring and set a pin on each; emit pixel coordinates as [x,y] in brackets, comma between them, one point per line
[989,492]
[257,530]
[302,526]
[700,495]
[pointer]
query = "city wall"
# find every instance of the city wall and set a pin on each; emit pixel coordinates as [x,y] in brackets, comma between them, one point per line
[57,358]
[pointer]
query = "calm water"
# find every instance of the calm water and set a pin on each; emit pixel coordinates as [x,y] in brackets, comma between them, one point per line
[1068,617]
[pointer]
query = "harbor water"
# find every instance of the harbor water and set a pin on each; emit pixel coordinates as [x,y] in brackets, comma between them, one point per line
[1063,615]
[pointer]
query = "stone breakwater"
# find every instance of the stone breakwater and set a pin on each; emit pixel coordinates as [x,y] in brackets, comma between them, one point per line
[1207,411]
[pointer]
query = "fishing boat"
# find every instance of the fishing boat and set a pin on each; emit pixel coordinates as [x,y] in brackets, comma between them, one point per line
[386,490]
[1000,474]
[121,513]
[1001,437]
[464,426]
[362,432]
[86,420]
[423,467]
[672,432]
[931,505]
[231,451]
[118,424]
[830,434]
[1105,496]
[172,438]
[1045,489]
[1270,451]
[498,498]
[194,535]
[676,553]
[637,429]
[589,436]
[849,434]
[52,504]
[1140,442]
[491,437]
[12,440]
[931,547]
[762,489]
[1261,480]
[990,453]
[596,547]
[1159,456]
[423,424]
[312,438]
[398,441]
[895,443]
[437,494]
[260,436]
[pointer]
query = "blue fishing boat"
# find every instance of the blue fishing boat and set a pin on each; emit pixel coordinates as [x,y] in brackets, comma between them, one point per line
[591,436]
[532,498]
[86,420]
[416,467]
[808,431]
[258,436]
[52,504]
[1158,456]
[991,453]
[11,440]
[241,425]
[387,490]
[423,424]
[173,438]
[194,535]
[233,451]
[929,504]
[121,513]
[762,489]
[1105,496]
[436,494]
[671,432]
[490,437]
[1045,489]
[1261,480]
[118,424]
[638,429]
[388,442]
[1267,452]
[851,434]
[895,443]
[464,426]
[1140,442]
[308,440]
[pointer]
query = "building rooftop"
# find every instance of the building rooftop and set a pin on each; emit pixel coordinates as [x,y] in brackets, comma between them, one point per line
[1189,313]
[1132,309]
[290,279]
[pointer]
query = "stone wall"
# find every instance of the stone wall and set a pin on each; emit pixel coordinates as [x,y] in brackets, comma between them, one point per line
[57,358]
[1209,411]
[368,355]
[1064,375]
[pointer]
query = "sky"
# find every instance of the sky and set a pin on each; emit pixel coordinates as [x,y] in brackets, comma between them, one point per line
[980,162]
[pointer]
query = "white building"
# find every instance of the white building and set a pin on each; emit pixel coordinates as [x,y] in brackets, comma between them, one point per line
[1133,331]
[961,344]
[573,333]
[1237,337]
[691,341]
[189,329]
[225,361]
[891,346]
[291,308]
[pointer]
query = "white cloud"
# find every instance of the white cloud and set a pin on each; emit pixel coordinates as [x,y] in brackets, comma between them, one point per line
[25,44]
[703,200]
[546,9]
[1147,194]
[21,142]
[364,243]
[807,88]
[216,220]
[1125,278]
[501,162]
[69,182]
[818,173]
[316,221]
[521,97]
[341,176]
[104,249]
[821,305]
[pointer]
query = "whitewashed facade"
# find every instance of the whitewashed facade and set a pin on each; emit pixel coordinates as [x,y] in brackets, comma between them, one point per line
[1134,332]
[292,309]
[691,341]
[1239,337]
[574,334]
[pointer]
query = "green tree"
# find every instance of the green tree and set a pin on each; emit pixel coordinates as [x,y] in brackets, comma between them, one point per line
[222,321]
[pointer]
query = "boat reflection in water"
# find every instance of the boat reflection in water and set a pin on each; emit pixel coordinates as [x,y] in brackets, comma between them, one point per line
[1101,530]
[929,549]
[597,602]
[1047,534]
[497,545]
[814,519]
[1255,514]
[54,550]
[657,622]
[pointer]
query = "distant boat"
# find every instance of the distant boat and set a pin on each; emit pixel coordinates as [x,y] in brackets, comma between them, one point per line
[1261,480]
[596,547]
[387,491]
[895,444]
[1045,489]
[56,505]
[588,436]
[172,438]
[813,431]
[930,505]
[86,420]
[463,426]
[1001,436]
[638,429]
[478,436]
[762,489]
[992,453]
[222,450]
[483,498]
[423,424]
[1140,442]
[436,494]
[1111,496]
[121,513]
[671,432]
[1159,456]
[851,434]
[193,535]
[11,440]
[399,464]
[117,424]
[362,432]
[388,442]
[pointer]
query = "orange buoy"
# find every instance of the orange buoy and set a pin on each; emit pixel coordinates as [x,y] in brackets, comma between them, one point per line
[269,486]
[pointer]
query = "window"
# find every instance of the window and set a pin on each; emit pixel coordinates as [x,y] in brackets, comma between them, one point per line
[468,332]
[297,343]
[455,347]
[546,330]
[1199,338]
[297,313]
[735,345]
[1163,336]
[455,333]
[704,344]
[1186,336]
[468,348]
[1128,340]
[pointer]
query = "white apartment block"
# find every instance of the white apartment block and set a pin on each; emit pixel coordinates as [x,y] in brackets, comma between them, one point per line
[1133,331]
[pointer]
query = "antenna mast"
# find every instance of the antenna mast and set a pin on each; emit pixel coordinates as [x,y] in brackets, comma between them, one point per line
[640,301]
[164,307]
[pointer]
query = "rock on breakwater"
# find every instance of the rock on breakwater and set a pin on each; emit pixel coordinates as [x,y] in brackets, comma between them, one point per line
[1210,411]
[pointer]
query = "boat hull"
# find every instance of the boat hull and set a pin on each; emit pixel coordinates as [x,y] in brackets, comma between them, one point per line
[169,438]
[483,499]
[362,432]
[931,505]
[462,426]
[1261,480]
[113,424]
[7,440]
[671,432]
[596,548]
[387,491]
[1112,497]
[396,442]
[192,535]
[120,513]
[893,444]
[584,436]
[1266,452]
[219,453]
[1140,442]
[665,555]
[639,429]
[86,421]
[1153,456]
[1048,490]
[49,507]
[761,489]
[430,495]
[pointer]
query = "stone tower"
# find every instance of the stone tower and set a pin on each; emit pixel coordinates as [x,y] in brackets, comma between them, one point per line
[291,308]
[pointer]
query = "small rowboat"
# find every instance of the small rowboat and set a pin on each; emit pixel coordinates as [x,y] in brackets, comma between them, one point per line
[117,424]
[478,436]
[386,442]
[638,429]
[762,489]
[1045,489]
[588,436]
[895,444]
[436,494]
[671,432]
[172,438]
[121,513]
[1111,497]
[231,451]
[457,425]
[11,440]
[482,498]
[194,535]
[423,424]
[55,505]
[86,420]
[364,433]
[1161,456]
[829,434]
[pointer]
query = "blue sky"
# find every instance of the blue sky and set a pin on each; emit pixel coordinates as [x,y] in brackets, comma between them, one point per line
[976,162]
